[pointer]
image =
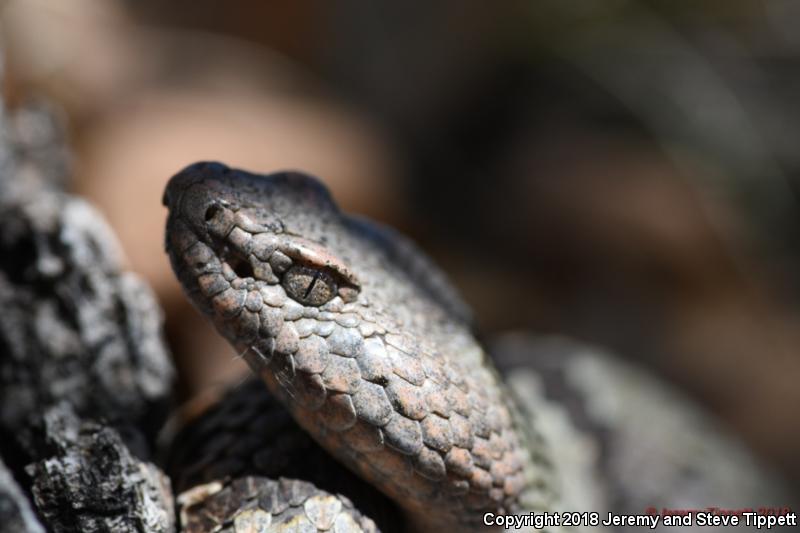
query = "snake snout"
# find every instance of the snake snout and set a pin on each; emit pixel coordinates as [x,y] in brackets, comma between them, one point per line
[193,174]
[198,201]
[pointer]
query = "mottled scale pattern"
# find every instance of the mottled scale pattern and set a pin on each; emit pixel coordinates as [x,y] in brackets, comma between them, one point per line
[261,505]
[244,431]
[382,374]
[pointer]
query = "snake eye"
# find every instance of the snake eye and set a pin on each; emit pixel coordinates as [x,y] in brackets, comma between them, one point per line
[309,286]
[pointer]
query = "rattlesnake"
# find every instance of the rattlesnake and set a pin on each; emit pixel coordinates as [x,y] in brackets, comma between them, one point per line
[372,351]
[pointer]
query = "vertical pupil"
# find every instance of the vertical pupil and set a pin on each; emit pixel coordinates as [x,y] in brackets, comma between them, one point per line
[311,285]
[308,286]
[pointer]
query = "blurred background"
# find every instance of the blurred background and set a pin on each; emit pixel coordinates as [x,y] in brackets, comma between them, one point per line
[622,172]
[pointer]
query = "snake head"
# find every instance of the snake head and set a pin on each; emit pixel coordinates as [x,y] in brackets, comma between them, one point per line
[354,330]
[243,244]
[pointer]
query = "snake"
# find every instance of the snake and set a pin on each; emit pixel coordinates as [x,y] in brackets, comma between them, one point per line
[364,341]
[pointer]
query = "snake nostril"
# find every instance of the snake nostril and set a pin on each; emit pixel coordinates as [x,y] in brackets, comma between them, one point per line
[212,210]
